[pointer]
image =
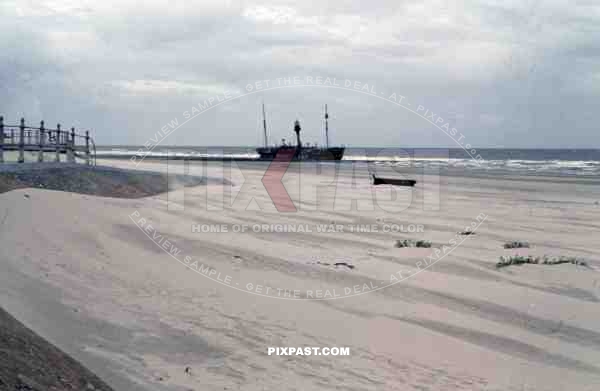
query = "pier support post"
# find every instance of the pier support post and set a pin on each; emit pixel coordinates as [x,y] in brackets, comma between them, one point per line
[71,147]
[57,143]
[1,139]
[87,147]
[22,141]
[42,140]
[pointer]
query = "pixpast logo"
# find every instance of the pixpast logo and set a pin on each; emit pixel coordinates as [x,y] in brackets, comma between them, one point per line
[273,184]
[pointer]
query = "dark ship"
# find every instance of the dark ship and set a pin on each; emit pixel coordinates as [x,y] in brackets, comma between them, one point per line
[299,151]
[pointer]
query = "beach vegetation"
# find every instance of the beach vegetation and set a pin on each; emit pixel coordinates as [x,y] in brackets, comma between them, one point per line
[516,244]
[543,260]
[412,243]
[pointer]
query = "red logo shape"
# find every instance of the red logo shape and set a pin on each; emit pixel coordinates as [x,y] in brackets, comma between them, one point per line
[272,180]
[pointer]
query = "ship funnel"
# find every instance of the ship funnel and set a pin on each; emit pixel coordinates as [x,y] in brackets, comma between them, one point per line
[297,129]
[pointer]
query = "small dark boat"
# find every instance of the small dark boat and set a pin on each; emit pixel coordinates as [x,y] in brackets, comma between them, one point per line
[393,181]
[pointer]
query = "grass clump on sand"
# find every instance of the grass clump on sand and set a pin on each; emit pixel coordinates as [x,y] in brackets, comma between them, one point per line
[545,260]
[412,243]
[516,244]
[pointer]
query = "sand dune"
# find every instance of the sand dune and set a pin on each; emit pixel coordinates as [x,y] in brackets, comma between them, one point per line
[83,272]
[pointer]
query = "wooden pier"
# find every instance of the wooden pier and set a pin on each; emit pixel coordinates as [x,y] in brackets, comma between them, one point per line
[22,138]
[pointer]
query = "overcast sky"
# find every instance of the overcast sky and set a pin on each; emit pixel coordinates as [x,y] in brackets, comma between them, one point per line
[506,73]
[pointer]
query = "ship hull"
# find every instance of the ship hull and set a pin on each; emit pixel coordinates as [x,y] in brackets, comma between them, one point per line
[334,153]
[303,154]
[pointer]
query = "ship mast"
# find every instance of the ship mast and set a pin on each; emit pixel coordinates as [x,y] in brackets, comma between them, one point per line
[265,125]
[326,127]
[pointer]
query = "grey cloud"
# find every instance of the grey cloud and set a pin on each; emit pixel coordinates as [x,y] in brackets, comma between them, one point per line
[513,75]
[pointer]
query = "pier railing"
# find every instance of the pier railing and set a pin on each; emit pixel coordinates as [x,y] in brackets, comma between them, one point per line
[22,138]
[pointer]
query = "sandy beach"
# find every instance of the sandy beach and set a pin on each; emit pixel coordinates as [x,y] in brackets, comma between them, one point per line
[187,290]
